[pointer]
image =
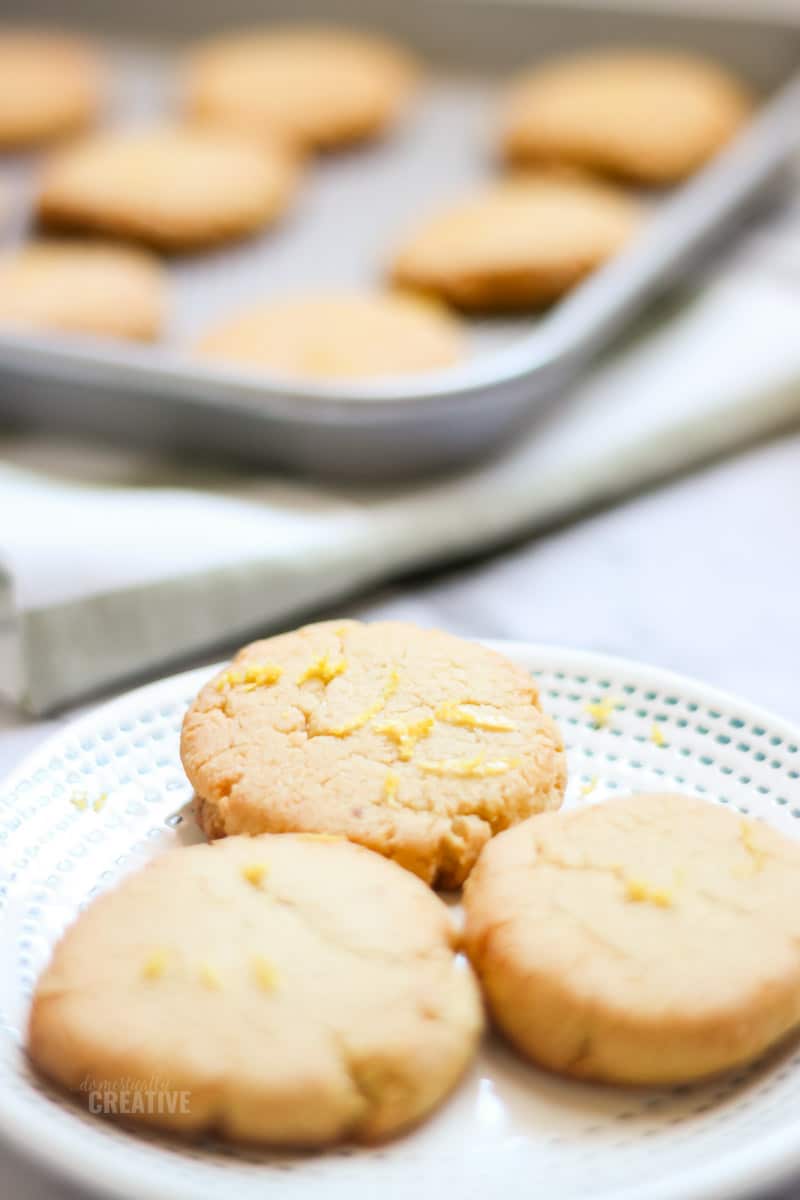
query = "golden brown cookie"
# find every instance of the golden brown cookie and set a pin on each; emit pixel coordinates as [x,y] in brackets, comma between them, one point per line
[83,287]
[647,940]
[283,990]
[518,244]
[172,187]
[320,88]
[50,86]
[647,116]
[410,741]
[339,335]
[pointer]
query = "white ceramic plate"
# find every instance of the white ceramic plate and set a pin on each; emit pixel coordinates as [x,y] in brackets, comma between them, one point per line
[510,1130]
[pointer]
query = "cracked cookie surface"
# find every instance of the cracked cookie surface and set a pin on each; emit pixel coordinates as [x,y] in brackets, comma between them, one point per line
[651,939]
[296,990]
[415,743]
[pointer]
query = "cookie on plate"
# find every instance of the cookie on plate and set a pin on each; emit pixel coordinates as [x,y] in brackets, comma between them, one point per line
[518,244]
[320,88]
[339,335]
[50,86]
[95,288]
[171,187]
[412,742]
[646,116]
[282,990]
[648,940]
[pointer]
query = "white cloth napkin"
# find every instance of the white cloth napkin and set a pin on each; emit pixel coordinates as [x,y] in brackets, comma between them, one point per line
[117,563]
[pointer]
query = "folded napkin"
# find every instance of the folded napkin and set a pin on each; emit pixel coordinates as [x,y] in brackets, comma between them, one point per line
[116,563]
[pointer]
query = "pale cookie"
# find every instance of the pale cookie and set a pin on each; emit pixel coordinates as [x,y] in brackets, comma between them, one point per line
[410,741]
[83,287]
[174,188]
[648,117]
[339,335]
[647,940]
[282,990]
[518,244]
[50,86]
[319,88]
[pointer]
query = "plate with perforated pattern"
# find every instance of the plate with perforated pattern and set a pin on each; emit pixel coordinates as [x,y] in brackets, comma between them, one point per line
[108,793]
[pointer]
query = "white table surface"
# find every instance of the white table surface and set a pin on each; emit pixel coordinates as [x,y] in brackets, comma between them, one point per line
[702,576]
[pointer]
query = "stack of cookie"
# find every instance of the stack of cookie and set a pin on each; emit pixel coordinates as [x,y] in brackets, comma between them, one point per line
[256,106]
[300,981]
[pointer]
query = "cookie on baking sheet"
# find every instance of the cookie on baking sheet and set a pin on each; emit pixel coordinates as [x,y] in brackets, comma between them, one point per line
[319,87]
[648,940]
[50,86]
[339,335]
[172,187]
[647,116]
[518,244]
[410,741]
[284,990]
[83,287]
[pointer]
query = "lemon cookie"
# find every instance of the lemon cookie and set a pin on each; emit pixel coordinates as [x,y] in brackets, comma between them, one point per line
[410,741]
[339,335]
[648,940]
[172,187]
[649,117]
[50,86]
[281,990]
[320,88]
[520,243]
[83,287]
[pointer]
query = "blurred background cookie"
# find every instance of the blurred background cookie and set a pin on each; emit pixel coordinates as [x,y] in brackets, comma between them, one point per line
[173,187]
[51,85]
[339,335]
[320,88]
[284,990]
[410,741]
[646,940]
[647,116]
[519,243]
[83,287]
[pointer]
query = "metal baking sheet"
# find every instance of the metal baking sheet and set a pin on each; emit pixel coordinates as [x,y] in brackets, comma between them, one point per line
[350,214]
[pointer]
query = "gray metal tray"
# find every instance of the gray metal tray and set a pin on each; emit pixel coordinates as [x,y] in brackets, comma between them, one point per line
[351,211]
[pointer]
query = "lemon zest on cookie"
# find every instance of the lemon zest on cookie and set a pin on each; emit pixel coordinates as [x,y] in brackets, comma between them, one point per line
[366,716]
[78,800]
[589,787]
[252,676]
[229,679]
[155,966]
[469,768]
[657,736]
[758,856]
[255,873]
[265,974]
[323,669]
[406,734]
[454,712]
[100,802]
[209,977]
[602,711]
[640,892]
[391,784]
